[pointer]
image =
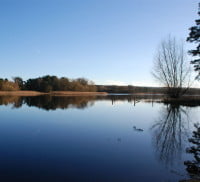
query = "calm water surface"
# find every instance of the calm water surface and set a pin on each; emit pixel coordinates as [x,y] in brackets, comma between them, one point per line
[94,139]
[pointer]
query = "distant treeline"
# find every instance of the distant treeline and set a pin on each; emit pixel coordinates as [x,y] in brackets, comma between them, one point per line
[53,83]
[48,84]
[136,89]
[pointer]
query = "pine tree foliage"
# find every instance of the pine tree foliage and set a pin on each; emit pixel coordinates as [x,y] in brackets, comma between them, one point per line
[194,36]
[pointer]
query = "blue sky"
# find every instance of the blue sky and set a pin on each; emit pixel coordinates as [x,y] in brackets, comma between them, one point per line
[107,41]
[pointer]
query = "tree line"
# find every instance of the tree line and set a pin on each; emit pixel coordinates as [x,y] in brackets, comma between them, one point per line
[47,84]
[139,89]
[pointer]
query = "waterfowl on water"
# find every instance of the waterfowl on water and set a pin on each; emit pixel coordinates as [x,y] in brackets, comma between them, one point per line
[137,129]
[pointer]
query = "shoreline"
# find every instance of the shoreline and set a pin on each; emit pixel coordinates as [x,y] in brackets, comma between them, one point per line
[54,93]
[79,93]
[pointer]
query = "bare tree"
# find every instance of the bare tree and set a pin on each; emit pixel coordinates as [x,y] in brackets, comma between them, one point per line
[171,68]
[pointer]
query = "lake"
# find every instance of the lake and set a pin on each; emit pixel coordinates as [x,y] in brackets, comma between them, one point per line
[114,138]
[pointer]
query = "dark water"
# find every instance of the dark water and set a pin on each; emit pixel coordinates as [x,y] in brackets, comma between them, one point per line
[94,139]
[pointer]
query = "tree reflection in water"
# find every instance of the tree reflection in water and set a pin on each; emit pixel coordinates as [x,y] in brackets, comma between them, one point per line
[193,166]
[49,102]
[169,131]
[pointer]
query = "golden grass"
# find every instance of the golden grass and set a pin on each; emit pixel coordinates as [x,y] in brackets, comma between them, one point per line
[75,93]
[20,93]
[54,93]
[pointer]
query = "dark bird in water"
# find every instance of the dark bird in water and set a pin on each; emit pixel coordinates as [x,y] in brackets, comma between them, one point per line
[137,129]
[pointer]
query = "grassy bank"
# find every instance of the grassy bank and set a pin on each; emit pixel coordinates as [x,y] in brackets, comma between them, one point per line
[74,93]
[55,93]
[20,93]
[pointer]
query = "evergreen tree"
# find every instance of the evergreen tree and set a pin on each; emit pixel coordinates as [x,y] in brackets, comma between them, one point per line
[194,36]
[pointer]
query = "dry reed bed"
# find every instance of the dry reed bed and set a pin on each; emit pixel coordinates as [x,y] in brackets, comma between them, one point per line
[54,93]
[74,93]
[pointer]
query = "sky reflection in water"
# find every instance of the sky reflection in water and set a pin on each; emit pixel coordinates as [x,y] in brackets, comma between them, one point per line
[117,138]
